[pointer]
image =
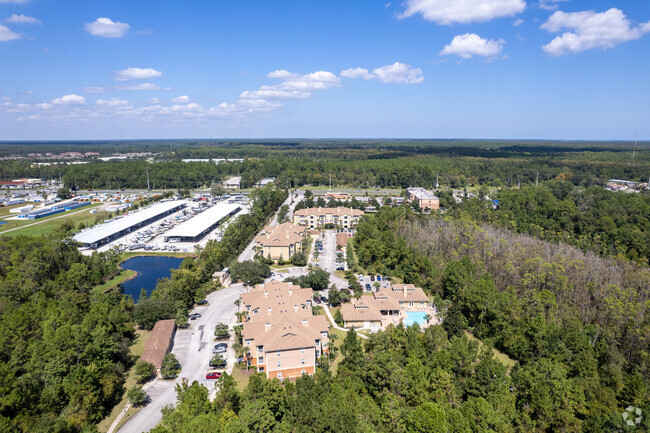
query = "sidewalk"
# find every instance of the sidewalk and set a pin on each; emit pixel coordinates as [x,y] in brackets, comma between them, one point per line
[335,326]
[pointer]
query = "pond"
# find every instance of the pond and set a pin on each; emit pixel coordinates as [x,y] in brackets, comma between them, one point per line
[150,269]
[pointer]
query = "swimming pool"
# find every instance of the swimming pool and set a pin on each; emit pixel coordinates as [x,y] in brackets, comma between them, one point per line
[415,317]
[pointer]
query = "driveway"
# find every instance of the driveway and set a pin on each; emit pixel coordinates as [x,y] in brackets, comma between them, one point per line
[193,349]
[327,259]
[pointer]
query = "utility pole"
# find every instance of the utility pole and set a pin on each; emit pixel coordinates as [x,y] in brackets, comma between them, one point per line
[148,189]
[537,179]
[330,182]
[437,185]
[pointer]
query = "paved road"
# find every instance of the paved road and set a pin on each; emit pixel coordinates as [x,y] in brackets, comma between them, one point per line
[193,348]
[248,252]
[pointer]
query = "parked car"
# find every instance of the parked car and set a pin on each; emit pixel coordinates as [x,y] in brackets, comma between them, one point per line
[317,299]
[220,348]
[213,375]
[203,302]
[323,299]
[340,268]
[378,277]
[360,277]
[194,316]
[368,287]
[372,278]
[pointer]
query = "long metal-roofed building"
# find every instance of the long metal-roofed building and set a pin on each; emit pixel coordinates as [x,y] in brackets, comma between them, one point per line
[194,229]
[104,233]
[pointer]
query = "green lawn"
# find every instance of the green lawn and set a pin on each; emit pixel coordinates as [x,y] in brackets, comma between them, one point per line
[136,351]
[50,223]
[124,275]
[340,336]
[502,357]
[241,376]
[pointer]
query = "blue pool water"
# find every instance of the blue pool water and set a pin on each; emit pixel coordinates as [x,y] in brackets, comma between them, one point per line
[415,317]
[3,222]
[150,269]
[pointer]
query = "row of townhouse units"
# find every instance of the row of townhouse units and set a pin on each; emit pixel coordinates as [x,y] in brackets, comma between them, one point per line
[320,217]
[425,199]
[282,240]
[281,335]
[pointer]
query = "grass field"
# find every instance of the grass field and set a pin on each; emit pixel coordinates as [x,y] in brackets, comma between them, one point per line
[502,357]
[241,377]
[124,275]
[51,223]
[136,351]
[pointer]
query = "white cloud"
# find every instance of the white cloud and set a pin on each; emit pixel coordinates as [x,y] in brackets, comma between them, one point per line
[589,29]
[94,89]
[181,99]
[107,28]
[281,73]
[43,106]
[471,44]
[22,19]
[462,11]
[136,74]
[357,73]
[270,92]
[399,73]
[113,102]
[7,35]
[141,86]
[396,73]
[192,106]
[70,100]
[518,22]
[550,5]
[154,101]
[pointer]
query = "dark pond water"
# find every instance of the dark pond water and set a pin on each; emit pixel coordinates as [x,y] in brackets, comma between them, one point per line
[150,269]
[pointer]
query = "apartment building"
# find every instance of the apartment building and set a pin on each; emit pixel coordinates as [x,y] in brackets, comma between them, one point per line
[282,240]
[282,336]
[386,306]
[322,217]
[425,199]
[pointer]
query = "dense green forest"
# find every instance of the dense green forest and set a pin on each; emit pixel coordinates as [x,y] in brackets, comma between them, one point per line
[357,163]
[65,348]
[591,218]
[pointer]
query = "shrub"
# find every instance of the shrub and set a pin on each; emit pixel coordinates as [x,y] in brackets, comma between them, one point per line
[137,397]
[144,371]
[170,367]
[338,318]
[221,331]
[299,259]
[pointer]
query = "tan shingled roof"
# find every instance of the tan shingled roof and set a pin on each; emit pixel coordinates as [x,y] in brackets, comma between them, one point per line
[158,343]
[337,211]
[361,310]
[284,332]
[403,292]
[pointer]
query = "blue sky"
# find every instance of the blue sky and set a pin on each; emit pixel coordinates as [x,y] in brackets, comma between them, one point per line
[534,69]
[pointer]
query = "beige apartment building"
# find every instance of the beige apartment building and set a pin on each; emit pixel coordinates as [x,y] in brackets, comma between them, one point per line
[320,217]
[282,336]
[282,240]
[386,306]
[425,199]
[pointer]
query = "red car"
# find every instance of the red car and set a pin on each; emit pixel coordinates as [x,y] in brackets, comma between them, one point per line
[213,375]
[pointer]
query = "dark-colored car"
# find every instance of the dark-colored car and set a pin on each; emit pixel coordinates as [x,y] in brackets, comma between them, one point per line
[221,364]
[368,287]
[372,278]
[339,268]
[213,375]
[203,302]
[194,316]
[220,348]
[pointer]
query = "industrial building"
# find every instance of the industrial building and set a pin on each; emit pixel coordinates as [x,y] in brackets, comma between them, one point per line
[104,233]
[195,229]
